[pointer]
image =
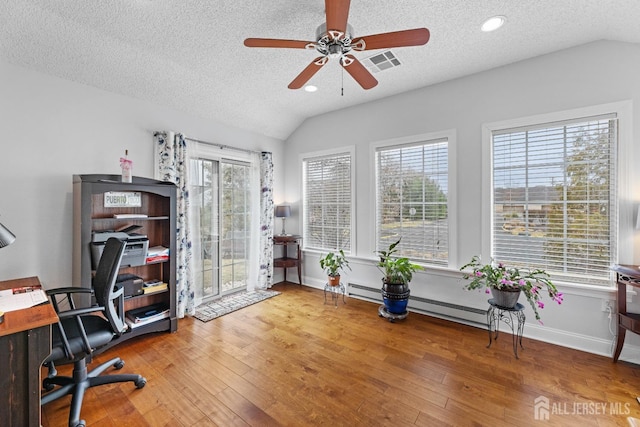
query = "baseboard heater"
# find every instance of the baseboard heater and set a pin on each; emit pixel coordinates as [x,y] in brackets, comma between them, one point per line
[445,310]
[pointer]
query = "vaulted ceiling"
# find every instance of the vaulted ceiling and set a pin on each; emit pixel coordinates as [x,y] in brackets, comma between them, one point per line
[189,54]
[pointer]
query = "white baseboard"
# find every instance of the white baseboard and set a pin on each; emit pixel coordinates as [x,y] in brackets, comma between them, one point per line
[630,353]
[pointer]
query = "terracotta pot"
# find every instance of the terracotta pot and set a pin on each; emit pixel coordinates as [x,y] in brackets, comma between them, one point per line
[333,280]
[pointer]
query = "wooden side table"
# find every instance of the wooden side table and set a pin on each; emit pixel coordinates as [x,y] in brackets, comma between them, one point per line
[626,275]
[285,261]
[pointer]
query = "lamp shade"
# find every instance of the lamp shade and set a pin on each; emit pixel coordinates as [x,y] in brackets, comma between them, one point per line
[6,236]
[283,211]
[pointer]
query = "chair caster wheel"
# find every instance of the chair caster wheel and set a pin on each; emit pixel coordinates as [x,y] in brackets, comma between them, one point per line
[141,382]
[81,423]
[119,364]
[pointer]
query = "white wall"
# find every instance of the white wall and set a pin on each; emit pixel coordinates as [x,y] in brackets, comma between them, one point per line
[52,129]
[593,74]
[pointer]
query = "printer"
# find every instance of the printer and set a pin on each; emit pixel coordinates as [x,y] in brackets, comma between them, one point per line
[135,252]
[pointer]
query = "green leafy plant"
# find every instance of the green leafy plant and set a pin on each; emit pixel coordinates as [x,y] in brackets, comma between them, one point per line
[333,263]
[396,270]
[532,283]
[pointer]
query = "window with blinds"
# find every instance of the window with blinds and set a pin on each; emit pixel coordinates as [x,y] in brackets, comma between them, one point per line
[327,202]
[555,198]
[412,199]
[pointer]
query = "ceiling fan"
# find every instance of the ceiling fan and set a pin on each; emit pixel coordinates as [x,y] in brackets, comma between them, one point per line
[334,39]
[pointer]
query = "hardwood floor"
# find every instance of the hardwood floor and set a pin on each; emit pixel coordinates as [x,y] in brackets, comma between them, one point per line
[293,361]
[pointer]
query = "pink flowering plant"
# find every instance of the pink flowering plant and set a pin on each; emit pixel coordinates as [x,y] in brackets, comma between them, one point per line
[533,283]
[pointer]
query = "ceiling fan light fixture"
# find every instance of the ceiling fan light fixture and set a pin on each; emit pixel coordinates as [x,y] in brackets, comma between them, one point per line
[310,88]
[335,51]
[493,23]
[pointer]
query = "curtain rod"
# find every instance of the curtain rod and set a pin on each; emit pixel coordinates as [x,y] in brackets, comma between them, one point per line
[222,146]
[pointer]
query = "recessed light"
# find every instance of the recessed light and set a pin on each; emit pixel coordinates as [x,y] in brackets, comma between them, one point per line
[493,23]
[310,88]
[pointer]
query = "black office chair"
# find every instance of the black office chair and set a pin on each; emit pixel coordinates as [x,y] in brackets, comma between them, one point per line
[80,331]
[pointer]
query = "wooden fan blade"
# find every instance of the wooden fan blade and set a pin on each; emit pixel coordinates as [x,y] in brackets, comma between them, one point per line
[358,72]
[337,14]
[308,72]
[279,43]
[416,37]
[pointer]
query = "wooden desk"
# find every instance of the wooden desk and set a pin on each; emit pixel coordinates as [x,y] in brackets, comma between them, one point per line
[626,275]
[25,342]
[285,262]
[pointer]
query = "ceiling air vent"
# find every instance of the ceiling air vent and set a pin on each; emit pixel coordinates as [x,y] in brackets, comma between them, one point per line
[381,61]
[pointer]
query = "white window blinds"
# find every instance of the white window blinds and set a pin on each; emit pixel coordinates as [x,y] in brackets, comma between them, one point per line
[555,198]
[327,202]
[412,200]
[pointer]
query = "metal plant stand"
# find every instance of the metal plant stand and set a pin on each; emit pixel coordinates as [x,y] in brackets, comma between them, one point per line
[513,317]
[335,292]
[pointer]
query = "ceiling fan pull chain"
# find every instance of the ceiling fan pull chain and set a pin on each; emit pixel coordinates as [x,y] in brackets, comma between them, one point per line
[342,83]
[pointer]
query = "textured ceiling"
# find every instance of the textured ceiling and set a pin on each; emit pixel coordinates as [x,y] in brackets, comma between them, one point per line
[189,54]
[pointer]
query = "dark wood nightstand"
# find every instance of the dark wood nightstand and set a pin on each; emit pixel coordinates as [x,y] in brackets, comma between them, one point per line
[285,261]
[626,275]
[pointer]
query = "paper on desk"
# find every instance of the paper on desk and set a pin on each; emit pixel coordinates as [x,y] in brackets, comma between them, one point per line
[10,301]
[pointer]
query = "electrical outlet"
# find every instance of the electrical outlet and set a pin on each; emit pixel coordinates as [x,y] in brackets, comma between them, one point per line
[608,304]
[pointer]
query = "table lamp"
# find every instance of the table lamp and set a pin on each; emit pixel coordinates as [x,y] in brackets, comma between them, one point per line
[283,211]
[6,236]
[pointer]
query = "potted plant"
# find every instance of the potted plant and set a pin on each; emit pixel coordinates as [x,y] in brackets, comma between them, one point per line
[332,264]
[398,272]
[506,284]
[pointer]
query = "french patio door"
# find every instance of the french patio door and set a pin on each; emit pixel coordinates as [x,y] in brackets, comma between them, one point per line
[220,197]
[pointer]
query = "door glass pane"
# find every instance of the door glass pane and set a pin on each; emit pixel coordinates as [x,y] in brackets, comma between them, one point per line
[205,198]
[235,226]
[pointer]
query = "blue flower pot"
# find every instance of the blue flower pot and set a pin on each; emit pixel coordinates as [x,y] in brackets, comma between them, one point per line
[395,306]
[395,297]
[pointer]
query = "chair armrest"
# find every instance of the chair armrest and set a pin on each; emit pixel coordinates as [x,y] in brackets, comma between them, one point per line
[68,290]
[79,311]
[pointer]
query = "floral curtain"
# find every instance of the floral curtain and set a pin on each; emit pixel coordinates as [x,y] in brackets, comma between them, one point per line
[172,166]
[265,275]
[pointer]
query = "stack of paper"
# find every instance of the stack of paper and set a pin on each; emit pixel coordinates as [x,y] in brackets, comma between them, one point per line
[145,315]
[157,254]
[153,286]
[19,298]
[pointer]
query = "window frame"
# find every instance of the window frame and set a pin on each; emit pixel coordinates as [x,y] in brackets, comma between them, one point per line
[325,154]
[624,245]
[450,135]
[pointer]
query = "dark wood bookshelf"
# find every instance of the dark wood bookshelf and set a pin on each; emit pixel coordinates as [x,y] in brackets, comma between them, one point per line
[158,203]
